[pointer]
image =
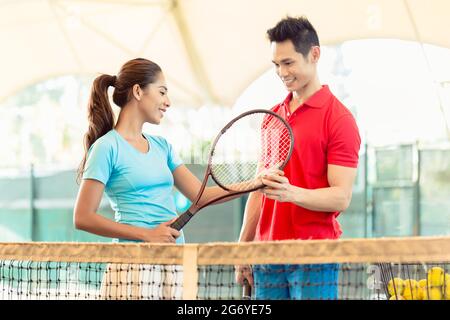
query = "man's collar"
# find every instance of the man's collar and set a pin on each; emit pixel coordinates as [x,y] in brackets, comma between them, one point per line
[317,100]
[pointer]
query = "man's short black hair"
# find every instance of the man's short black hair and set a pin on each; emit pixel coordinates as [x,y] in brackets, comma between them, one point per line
[299,30]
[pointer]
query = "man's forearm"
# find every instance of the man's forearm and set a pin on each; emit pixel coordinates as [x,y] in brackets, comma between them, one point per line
[325,199]
[251,217]
[248,230]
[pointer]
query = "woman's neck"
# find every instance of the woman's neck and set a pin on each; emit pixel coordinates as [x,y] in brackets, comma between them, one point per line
[129,124]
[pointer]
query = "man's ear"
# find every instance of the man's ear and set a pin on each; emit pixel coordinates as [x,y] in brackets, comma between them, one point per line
[315,54]
[137,92]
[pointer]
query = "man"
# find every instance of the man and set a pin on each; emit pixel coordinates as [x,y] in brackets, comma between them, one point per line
[304,201]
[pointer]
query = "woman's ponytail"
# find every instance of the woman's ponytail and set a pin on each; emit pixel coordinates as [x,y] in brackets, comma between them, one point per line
[100,115]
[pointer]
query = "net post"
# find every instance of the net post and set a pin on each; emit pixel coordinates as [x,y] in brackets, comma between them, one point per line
[190,271]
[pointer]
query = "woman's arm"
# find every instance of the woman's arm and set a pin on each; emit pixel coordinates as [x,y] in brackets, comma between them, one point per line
[86,218]
[189,185]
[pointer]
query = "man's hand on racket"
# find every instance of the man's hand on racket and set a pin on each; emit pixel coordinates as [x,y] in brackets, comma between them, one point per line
[243,272]
[162,233]
[258,180]
[278,187]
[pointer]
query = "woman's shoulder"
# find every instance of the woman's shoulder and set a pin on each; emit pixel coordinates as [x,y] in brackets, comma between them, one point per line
[106,142]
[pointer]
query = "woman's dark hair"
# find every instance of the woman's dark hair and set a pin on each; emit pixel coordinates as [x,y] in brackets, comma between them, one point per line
[299,30]
[100,114]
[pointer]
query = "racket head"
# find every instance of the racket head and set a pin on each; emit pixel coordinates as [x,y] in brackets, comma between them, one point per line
[254,141]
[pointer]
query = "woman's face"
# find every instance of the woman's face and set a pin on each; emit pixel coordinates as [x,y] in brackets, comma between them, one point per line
[155,101]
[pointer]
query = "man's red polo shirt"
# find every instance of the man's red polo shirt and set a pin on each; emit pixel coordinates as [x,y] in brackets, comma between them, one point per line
[325,132]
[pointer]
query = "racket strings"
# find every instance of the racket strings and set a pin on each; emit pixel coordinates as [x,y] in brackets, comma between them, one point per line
[256,142]
[276,144]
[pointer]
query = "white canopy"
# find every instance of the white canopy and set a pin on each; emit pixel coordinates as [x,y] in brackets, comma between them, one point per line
[209,50]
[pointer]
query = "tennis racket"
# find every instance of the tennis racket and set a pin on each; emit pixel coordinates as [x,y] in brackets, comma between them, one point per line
[249,145]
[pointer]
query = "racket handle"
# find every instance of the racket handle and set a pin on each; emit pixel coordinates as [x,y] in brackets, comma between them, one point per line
[246,290]
[182,220]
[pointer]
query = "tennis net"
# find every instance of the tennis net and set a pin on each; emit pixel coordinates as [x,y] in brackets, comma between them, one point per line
[358,269]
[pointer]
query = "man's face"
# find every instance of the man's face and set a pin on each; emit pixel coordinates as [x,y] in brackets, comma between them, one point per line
[292,67]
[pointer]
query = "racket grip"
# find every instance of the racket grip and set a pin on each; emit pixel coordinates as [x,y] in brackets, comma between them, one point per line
[246,291]
[182,220]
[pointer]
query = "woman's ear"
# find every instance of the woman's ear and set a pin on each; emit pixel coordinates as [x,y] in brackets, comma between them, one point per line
[137,92]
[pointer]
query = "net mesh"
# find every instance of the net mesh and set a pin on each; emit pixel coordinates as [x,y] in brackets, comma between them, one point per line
[362,269]
[256,142]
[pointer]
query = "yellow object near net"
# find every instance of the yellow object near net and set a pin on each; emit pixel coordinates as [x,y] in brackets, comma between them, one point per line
[415,268]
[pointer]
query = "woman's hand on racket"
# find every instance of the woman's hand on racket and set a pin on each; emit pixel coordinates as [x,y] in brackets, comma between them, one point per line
[162,233]
[277,187]
[243,272]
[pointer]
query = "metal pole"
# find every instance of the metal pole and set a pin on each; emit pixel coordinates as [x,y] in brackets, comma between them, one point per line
[32,203]
[366,222]
[417,201]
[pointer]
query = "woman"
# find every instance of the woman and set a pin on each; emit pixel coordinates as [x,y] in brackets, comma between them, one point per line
[137,170]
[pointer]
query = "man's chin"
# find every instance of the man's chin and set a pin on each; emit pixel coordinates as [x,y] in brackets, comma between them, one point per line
[291,87]
[294,88]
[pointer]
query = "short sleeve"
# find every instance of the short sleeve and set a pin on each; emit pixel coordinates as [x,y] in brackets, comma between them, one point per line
[344,142]
[173,160]
[99,162]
